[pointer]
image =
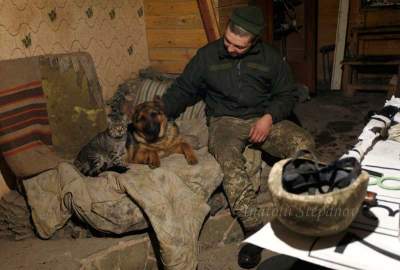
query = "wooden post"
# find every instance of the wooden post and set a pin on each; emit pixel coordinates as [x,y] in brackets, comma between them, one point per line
[348,90]
[209,19]
[268,10]
[310,42]
[341,31]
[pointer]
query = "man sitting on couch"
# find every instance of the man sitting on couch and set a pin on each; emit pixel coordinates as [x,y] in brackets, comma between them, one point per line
[249,92]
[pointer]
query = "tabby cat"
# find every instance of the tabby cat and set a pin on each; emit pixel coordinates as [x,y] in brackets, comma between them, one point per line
[107,150]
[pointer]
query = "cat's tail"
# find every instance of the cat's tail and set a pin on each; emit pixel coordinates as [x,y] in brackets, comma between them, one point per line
[80,166]
[118,169]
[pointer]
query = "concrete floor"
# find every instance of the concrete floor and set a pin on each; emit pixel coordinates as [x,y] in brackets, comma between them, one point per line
[333,120]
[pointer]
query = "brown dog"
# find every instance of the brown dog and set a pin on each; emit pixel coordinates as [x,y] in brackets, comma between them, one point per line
[155,136]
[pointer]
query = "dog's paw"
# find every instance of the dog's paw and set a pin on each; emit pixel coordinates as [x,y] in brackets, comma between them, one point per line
[192,161]
[193,141]
[154,165]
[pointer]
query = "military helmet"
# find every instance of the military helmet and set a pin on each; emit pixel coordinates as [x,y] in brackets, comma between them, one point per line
[320,214]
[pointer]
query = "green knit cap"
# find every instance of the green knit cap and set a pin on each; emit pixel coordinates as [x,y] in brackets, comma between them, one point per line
[250,18]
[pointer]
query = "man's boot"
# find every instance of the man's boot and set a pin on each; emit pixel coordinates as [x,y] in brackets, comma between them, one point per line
[249,255]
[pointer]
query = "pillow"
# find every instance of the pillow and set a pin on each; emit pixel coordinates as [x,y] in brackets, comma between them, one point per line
[25,135]
[74,101]
[51,106]
[152,87]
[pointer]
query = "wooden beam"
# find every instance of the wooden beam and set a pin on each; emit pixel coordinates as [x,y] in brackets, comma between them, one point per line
[310,42]
[340,44]
[268,10]
[209,19]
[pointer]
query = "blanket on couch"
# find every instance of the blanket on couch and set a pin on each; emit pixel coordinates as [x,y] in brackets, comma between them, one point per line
[173,197]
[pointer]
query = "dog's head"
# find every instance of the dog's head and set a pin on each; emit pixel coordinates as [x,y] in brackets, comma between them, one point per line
[149,121]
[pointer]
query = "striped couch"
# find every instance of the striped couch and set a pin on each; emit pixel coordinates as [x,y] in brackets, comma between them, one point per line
[52,105]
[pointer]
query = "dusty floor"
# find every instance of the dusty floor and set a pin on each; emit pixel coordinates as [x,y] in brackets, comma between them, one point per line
[333,120]
[336,121]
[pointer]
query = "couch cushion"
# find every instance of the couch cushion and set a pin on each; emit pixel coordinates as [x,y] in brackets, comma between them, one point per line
[152,87]
[74,101]
[51,106]
[25,135]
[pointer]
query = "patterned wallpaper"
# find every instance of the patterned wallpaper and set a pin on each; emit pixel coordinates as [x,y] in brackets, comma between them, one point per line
[112,31]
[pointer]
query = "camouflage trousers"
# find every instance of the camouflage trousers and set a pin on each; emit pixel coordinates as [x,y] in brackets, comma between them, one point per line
[228,137]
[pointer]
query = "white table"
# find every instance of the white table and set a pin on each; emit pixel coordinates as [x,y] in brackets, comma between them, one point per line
[368,244]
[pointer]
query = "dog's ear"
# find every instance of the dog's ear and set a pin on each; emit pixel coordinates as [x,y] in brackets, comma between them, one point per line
[135,113]
[158,101]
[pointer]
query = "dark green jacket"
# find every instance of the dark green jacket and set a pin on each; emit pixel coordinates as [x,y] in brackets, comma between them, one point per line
[257,83]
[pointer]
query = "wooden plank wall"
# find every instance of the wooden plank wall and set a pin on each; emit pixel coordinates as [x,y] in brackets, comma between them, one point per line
[174,33]
[175,30]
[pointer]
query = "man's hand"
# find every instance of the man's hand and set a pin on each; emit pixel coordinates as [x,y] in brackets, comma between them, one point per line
[260,130]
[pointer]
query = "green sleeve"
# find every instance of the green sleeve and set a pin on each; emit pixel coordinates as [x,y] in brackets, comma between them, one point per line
[184,91]
[283,98]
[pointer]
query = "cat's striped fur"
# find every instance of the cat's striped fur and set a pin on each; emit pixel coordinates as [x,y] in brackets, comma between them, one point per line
[107,150]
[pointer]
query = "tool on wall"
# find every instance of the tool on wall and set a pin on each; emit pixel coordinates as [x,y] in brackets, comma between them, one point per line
[285,21]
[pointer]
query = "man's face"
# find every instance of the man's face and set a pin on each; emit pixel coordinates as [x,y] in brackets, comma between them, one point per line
[236,45]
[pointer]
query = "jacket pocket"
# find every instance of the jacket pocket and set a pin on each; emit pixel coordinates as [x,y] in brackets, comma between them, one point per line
[259,74]
[258,67]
